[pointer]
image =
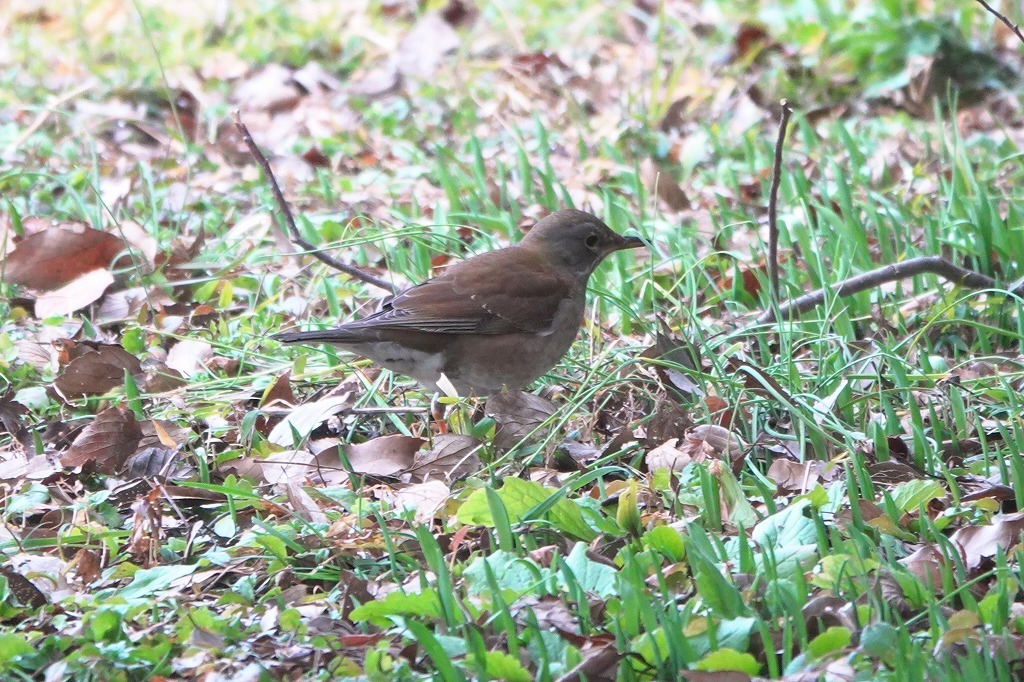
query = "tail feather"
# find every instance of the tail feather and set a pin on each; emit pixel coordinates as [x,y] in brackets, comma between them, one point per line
[317,336]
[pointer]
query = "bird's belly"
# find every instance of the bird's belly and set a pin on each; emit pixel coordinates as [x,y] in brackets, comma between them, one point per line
[511,360]
[423,366]
[477,364]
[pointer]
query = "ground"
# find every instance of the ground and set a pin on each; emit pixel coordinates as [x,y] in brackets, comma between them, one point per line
[691,493]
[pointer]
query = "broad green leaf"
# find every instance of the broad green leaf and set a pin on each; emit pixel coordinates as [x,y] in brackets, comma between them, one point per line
[421,605]
[594,577]
[148,581]
[511,573]
[729,659]
[13,645]
[911,495]
[833,639]
[502,666]
[666,541]
[519,497]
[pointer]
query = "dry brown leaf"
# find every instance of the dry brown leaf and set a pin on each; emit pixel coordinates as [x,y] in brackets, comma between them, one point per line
[36,579]
[11,421]
[423,49]
[383,456]
[304,506]
[189,356]
[305,418]
[74,295]
[452,458]
[290,465]
[271,89]
[244,467]
[50,259]
[667,456]
[669,421]
[663,185]
[424,498]
[151,463]
[926,563]
[158,378]
[140,240]
[714,440]
[792,476]
[280,391]
[519,416]
[106,444]
[36,468]
[96,371]
[979,544]
[120,305]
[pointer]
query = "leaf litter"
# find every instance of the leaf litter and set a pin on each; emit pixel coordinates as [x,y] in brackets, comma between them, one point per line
[309,515]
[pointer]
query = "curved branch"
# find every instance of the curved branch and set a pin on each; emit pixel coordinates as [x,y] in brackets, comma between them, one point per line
[293,230]
[773,212]
[888,273]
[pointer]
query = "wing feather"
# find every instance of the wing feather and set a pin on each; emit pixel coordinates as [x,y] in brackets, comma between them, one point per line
[500,292]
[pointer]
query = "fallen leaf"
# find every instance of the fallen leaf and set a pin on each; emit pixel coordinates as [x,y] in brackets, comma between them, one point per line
[519,415]
[423,48]
[151,463]
[304,506]
[105,444]
[663,185]
[668,455]
[140,240]
[792,476]
[189,356]
[304,418]
[714,440]
[452,458]
[96,371]
[50,259]
[74,295]
[383,456]
[290,465]
[424,498]
[271,89]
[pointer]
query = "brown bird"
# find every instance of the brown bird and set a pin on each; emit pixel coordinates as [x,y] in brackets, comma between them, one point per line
[499,319]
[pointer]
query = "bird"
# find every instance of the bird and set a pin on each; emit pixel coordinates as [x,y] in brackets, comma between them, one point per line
[497,320]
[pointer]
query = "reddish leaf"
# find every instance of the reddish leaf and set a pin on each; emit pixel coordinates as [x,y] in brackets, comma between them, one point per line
[747,37]
[52,258]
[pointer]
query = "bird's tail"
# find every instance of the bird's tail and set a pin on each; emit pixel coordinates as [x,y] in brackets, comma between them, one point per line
[317,336]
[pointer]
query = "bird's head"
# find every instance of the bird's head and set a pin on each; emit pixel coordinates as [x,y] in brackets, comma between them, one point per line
[577,240]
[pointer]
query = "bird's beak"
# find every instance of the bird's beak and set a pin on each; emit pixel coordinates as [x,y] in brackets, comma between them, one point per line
[628,243]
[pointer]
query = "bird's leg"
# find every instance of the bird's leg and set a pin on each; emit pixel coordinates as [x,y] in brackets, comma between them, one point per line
[438,412]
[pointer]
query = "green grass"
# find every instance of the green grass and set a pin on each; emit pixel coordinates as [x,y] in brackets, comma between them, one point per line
[908,395]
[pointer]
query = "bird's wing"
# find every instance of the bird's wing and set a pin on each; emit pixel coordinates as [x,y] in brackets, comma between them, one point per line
[493,295]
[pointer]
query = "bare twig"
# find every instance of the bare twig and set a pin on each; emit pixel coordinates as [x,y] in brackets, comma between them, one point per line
[773,212]
[293,231]
[1002,17]
[888,273]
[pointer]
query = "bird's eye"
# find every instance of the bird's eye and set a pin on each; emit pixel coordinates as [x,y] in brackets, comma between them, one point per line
[592,241]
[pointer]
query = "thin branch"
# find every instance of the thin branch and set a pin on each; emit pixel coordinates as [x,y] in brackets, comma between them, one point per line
[773,211]
[888,273]
[1012,26]
[293,231]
